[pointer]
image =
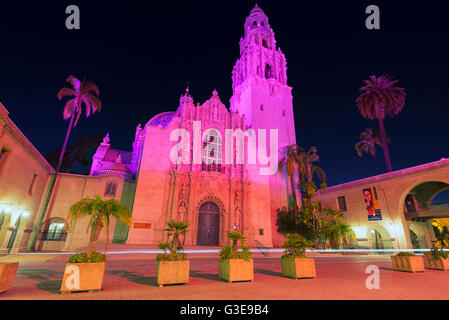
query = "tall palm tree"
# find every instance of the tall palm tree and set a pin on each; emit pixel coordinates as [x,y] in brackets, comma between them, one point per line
[379,99]
[100,212]
[370,139]
[289,164]
[84,92]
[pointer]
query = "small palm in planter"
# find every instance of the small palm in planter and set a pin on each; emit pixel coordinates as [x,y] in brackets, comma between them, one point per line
[85,270]
[295,264]
[437,259]
[407,261]
[234,264]
[173,267]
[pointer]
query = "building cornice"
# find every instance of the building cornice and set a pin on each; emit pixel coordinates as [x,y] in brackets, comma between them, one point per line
[431,166]
[15,132]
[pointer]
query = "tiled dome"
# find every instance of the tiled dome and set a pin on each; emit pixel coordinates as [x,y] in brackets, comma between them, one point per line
[161,119]
[116,169]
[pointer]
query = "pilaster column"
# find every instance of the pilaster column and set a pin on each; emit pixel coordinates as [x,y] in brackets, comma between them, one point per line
[19,235]
[3,232]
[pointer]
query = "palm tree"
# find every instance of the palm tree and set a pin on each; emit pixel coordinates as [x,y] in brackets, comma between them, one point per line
[176,229]
[379,99]
[235,237]
[84,92]
[337,233]
[369,140]
[306,167]
[290,161]
[100,212]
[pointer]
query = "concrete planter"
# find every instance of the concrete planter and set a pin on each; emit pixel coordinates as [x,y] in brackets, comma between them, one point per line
[437,264]
[298,267]
[236,270]
[407,263]
[7,275]
[83,277]
[172,272]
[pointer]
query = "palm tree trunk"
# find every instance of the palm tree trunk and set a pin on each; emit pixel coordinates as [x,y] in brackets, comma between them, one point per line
[383,135]
[95,233]
[375,162]
[295,204]
[67,136]
[107,242]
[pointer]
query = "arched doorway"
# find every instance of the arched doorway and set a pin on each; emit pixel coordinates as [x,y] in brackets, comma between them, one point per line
[208,224]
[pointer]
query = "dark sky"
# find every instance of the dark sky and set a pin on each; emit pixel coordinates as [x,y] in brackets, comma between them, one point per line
[142,53]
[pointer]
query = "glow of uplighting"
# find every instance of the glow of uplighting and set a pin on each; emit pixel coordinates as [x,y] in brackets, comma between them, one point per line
[360,232]
[25,214]
[395,229]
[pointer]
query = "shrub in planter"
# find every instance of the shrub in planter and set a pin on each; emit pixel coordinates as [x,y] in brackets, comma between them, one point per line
[85,270]
[295,264]
[173,267]
[436,259]
[234,264]
[407,261]
[7,275]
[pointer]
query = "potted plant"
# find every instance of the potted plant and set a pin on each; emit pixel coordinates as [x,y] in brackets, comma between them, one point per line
[173,267]
[436,259]
[7,274]
[295,264]
[85,270]
[407,261]
[234,264]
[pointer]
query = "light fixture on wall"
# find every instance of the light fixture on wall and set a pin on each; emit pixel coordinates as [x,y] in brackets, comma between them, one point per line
[360,232]
[6,208]
[395,229]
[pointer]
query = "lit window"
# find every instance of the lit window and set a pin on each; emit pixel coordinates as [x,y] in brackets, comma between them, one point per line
[54,232]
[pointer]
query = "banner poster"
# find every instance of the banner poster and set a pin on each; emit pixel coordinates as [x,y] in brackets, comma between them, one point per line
[372,204]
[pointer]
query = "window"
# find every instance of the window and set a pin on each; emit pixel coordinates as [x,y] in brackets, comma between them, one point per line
[264,43]
[111,189]
[54,232]
[33,183]
[260,232]
[341,203]
[283,113]
[261,107]
[212,152]
[268,72]
[254,24]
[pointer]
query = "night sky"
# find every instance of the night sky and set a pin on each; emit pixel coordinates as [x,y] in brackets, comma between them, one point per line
[142,54]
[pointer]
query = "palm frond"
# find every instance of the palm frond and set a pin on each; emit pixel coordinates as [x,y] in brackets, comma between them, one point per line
[65,92]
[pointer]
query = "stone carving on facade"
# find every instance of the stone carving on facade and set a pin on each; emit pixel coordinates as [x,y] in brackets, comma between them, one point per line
[238,221]
[182,202]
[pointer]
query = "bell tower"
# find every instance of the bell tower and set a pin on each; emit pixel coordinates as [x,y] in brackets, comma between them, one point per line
[259,80]
[261,93]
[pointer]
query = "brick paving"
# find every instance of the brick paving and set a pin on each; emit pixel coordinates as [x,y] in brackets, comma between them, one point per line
[133,277]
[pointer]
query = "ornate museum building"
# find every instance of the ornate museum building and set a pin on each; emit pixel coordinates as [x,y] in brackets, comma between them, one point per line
[220,188]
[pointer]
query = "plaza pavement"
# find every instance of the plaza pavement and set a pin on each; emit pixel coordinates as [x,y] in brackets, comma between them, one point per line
[132,276]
